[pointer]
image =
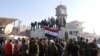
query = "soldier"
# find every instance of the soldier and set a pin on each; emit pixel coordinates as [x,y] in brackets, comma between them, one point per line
[81,44]
[41,48]
[93,48]
[32,25]
[38,25]
[35,24]
[57,21]
[59,47]
[75,49]
[70,46]
[42,23]
[66,49]
[46,47]
[87,49]
[33,48]
[24,48]
[52,49]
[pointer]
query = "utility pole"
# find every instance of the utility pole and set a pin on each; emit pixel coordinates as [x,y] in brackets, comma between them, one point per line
[14,24]
[19,24]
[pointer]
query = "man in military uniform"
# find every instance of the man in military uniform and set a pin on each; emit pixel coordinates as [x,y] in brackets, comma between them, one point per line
[87,49]
[32,25]
[93,48]
[33,48]
[59,47]
[81,44]
[52,49]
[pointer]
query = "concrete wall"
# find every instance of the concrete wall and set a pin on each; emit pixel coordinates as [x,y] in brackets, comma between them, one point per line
[38,33]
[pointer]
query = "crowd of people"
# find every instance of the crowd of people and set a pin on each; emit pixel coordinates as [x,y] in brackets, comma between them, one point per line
[50,22]
[48,47]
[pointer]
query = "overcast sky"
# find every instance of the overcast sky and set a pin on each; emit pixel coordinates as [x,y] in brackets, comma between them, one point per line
[87,11]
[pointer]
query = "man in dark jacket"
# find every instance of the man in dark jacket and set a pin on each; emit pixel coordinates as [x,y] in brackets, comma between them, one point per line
[93,48]
[52,50]
[33,48]
[24,48]
[82,46]
[59,47]
[41,48]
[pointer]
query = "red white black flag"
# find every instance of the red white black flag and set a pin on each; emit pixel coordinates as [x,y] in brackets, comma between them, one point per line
[51,32]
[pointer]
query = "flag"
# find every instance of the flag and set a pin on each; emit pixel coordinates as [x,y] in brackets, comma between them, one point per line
[51,32]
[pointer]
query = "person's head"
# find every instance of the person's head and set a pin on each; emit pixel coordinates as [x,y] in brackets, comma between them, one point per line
[81,39]
[70,40]
[94,41]
[10,40]
[51,41]
[23,41]
[75,42]
[35,41]
[19,38]
[87,41]
[57,40]
[16,41]
[40,40]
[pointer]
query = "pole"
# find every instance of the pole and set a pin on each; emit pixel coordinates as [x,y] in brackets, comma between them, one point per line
[19,24]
